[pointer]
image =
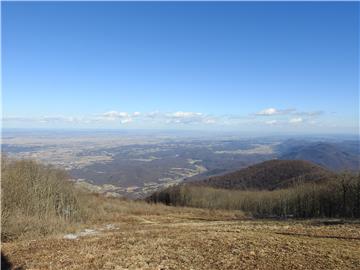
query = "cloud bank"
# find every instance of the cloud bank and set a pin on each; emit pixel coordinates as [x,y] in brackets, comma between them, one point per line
[114,118]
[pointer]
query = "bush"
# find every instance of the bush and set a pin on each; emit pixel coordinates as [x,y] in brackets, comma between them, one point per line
[35,199]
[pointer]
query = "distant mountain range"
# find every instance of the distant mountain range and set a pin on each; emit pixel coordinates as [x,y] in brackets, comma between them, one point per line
[334,156]
[269,175]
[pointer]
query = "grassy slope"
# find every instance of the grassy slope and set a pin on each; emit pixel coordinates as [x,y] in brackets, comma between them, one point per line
[39,208]
[160,237]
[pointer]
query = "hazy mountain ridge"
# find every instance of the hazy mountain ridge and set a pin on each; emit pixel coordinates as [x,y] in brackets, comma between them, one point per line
[334,156]
[269,175]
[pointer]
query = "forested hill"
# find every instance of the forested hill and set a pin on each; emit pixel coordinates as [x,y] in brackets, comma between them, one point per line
[276,188]
[269,175]
[337,157]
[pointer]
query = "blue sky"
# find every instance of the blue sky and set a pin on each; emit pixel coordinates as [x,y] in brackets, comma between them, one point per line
[237,65]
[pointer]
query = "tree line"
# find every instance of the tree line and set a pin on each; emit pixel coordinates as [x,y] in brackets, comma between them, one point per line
[338,197]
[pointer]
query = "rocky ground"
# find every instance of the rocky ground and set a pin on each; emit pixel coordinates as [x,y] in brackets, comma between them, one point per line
[192,241]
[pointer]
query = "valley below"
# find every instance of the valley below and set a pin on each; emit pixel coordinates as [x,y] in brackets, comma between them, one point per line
[136,164]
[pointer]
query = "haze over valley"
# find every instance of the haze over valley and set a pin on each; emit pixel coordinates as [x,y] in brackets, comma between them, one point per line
[135,164]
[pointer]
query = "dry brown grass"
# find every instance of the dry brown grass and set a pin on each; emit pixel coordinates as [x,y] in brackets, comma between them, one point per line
[183,239]
[101,209]
[38,200]
[155,236]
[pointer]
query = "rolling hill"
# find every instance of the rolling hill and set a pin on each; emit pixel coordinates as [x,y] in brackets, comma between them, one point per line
[269,175]
[337,157]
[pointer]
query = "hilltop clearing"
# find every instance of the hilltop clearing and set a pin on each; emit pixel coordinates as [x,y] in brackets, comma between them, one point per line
[178,238]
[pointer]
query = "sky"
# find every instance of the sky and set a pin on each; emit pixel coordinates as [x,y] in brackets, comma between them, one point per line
[262,67]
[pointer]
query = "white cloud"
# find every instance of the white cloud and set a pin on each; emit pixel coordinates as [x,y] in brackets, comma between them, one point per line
[153,114]
[115,115]
[181,117]
[269,111]
[125,121]
[296,120]
[274,111]
[309,114]
[181,114]
[271,122]
[122,117]
[293,116]
[157,118]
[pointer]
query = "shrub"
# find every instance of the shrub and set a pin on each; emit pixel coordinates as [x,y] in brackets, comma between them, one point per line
[35,199]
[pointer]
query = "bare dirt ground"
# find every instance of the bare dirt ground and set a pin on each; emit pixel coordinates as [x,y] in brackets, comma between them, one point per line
[191,241]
